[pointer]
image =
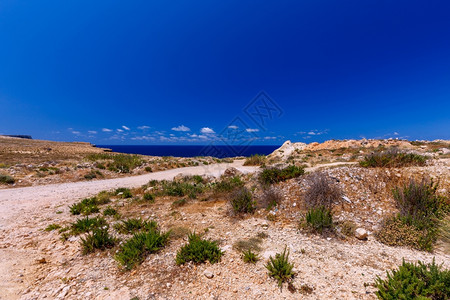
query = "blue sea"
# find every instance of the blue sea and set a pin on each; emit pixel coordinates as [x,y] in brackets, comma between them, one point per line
[193,150]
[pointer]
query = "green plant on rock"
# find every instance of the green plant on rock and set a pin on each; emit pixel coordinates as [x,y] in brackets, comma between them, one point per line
[86,207]
[319,218]
[109,211]
[198,251]
[280,268]
[250,257]
[274,175]
[87,224]
[393,158]
[133,225]
[99,239]
[123,193]
[242,201]
[415,281]
[134,250]
[6,179]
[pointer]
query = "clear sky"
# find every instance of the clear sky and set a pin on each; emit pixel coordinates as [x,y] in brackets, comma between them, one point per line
[183,72]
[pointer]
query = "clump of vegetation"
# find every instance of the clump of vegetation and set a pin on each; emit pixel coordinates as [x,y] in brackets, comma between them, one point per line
[255,160]
[250,257]
[274,175]
[109,211]
[393,158]
[103,198]
[319,218]
[99,239]
[148,169]
[322,191]
[6,179]
[134,250]
[123,192]
[121,163]
[148,197]
[182,188]
[179,203]
[348,228]
[132,225]
[280,268]
[242,201]
[93,174]
[198,251]
[270,198]
[87,224]
[228,184]
[86,207]
[52,227]
[417,223]
[415,281]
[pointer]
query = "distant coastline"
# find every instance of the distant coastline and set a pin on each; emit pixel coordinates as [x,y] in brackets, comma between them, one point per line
[219,151]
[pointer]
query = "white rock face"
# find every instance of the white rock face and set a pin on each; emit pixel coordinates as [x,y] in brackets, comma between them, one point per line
[361,234]
[286,149]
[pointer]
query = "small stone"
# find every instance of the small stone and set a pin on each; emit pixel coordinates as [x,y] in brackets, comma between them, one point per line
[208,273]
[361,234]
[294,204]
[42,260]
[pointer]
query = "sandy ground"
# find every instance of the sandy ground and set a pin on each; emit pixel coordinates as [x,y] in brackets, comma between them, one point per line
[20,207]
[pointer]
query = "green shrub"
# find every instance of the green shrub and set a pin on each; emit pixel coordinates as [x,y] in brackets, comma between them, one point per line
[270,198]
[242,201]
[91,175]
[279,267]
[109,211]
[148,169]
[180,189]
[86,207]
[52,227]
[249,256]
[134,250]
[149,197]
[179,203]
[227,184]
[255,160]
[123,192]
[319,218]
[198,251]
[6,179]
[133,225]
[393,158]
[415,281]
[87,224]
[103,198]
[417,224]
[98,239]
[274,175]
[253,244]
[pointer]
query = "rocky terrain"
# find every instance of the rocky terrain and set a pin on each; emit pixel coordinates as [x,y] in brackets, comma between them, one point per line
[37,264]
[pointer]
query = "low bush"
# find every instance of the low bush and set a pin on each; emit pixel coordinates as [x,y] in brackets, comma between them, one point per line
[179,203]
[99,239]
[417,223]
[250,257]
[123,192]
[279,267]
[392,158]
[319,218]
[86,207]
[198,251]
[415,281]
[87,224]
[148,197]
[148,169]
[134,250]
[253,244]
[103,198]
[255,160]
[122,163]
[109,211]
[228,184]
[6,179]
[91,175]
[133,225]
[322,191]
[274,175]
[181,189]
[52,227]
[242,201]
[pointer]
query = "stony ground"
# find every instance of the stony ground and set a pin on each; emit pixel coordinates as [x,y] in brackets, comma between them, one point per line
[37,264]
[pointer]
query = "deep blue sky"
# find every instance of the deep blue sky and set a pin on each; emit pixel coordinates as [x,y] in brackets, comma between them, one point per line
[72,70]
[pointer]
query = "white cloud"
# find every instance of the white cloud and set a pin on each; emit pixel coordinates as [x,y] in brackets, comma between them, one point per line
[270,137]
[125,127]
[106,130]
[76,132]
[119,130]
[181,128]
[312,133]
[252,130]
[207,130]
[143,127]
[92,132]
[395,133]
[233,127]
